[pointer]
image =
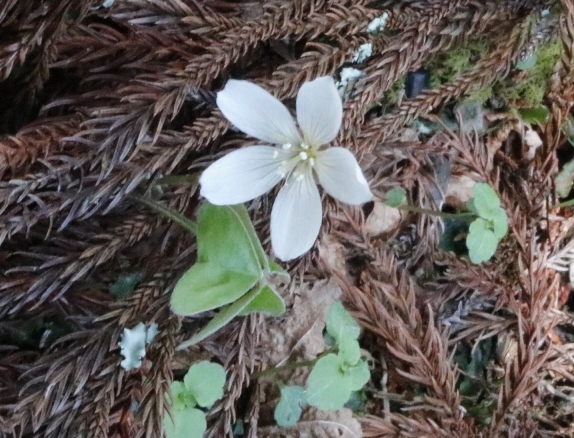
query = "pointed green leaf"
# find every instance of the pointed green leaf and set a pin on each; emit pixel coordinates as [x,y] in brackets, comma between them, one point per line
[538,114]
[481,241]
[327,389]
[226,240]
[206,286]
[188,423]
[340,323]
[268,301]
[205,381]
[224,315]
[289,408]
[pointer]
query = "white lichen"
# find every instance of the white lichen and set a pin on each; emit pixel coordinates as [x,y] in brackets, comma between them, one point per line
[378,24]
[364,51]
[349,75]
[133,344]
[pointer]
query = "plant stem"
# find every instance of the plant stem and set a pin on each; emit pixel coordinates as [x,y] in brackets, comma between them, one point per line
[462,216]
[291,366]
[179,180]
[168,213]
[568,203]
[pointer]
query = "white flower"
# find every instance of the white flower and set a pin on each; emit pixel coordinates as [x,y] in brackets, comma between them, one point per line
[300,157]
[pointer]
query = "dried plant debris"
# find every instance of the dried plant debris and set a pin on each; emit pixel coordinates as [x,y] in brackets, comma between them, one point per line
[111,107]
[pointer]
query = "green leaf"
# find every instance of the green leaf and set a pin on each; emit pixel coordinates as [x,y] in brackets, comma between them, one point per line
[499,219]
[181,398]
[528,63]
[358,375]
[230,261]
[349,350]
[224,315]
[205,381]
[327,389]
[535,115]
[188,423]
[485,200]
[395,197]
[481,241]
[340,323]
[206,286]
[268,301]
[289,408]
[564,179]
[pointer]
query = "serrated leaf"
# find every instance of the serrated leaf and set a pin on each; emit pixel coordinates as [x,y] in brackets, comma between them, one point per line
[535,115]
[188,423]
[349,350]
[358,375]
[205,381]
[481,241]
[395,197]
[181,398]
[485,200]
[327,389]
[268,301]
[340,323]
[289,408]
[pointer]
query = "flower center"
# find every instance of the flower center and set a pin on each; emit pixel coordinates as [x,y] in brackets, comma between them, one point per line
[296,160]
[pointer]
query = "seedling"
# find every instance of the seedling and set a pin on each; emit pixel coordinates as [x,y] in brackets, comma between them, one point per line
[232,272]
[334,376]
[202,386]
[489,222]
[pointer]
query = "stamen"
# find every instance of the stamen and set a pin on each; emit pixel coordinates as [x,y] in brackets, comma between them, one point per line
[304,146]
[287,146]
[275,154]
[303,155]
[311,161]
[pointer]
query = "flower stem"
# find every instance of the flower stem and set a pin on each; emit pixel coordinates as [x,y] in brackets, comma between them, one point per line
[168,213]
[568,203]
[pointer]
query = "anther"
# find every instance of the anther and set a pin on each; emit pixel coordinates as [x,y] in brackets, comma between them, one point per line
[304,146]
[311,161]
[303,155]
[287,146]
[275,154]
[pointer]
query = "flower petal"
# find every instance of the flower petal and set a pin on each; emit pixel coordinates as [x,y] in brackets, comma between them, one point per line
[319,111]
[341,177]
[256,112]
[296,217]
[241,175]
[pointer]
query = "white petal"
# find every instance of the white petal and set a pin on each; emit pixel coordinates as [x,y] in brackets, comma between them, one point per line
[341,177]
[241,175]
[296,218]
[256,112]
[319,111]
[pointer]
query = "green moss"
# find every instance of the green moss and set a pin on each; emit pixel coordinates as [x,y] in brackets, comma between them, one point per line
[529,89]
[446,67]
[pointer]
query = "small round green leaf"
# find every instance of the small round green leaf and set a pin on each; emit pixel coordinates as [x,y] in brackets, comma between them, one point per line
[485,200]
[395,197]
[358,375]
[528,63]
[181,398]
[205,381]
[349,350]
[500,223]
[188,423]
[340,323]
[327,388]
[481,241]
[289,408]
